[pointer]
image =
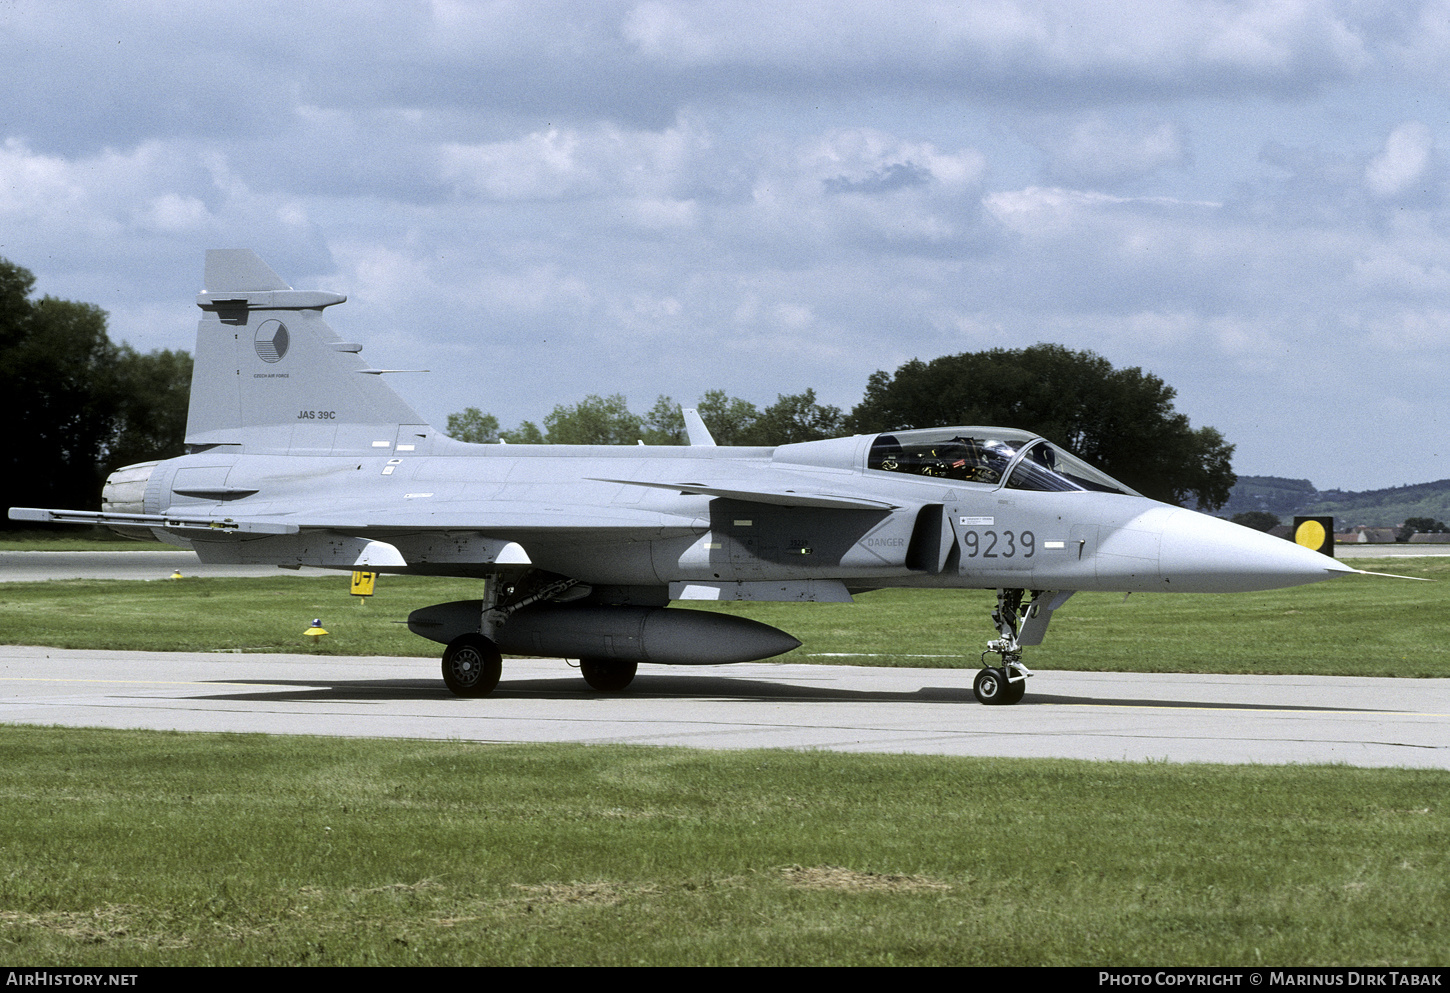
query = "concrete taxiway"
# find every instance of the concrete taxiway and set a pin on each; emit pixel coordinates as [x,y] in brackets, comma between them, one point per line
[1115,716]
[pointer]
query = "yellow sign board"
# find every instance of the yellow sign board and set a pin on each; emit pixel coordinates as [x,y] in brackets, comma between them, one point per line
[1315,533]
[1310,534]
[363,583]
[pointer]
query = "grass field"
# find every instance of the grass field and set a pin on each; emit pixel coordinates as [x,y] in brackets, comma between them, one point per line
[130,848]
[74,540]
[1358,625]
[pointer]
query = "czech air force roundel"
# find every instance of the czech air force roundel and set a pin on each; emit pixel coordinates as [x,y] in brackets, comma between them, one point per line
[272,341]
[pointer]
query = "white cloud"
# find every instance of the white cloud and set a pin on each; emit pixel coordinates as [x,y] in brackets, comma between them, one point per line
[1053,211]
[543,165]
[862,160]
[1138,42]
[172,213]
[662,30]
[1421,331]
[563,163]
[34,188]
[660,213]
[1094,149]
[1404,161]
[851,190]
[1401,269]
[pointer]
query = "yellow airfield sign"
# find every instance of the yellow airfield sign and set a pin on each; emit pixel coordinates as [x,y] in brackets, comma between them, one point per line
[1315,533]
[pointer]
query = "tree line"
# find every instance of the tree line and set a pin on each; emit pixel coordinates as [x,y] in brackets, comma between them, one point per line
[597,420]
[86,406]
[1121,420]
[76,404]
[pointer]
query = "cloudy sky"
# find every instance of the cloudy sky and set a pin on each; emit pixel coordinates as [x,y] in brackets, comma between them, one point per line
[543,200]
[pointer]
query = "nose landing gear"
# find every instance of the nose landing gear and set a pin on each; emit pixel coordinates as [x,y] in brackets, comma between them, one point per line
[1006,683]
[1000,685]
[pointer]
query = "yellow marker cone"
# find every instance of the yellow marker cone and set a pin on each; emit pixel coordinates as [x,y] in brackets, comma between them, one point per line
[176,574]
[316,630]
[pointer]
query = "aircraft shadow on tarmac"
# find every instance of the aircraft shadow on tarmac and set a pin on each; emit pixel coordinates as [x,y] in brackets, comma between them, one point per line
[693,687]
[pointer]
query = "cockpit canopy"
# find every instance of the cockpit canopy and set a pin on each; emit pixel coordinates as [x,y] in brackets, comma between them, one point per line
[988,456]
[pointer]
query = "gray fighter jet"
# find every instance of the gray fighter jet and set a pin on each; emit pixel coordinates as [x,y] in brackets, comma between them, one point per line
[299,454]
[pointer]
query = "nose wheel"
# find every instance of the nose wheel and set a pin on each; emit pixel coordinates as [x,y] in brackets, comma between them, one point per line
[999,685]
[1005,683]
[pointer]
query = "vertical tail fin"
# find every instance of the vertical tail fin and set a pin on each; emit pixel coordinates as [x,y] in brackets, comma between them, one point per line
[272,377]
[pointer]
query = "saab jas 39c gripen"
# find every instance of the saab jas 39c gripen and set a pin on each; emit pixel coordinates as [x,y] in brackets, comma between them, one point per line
[298,454]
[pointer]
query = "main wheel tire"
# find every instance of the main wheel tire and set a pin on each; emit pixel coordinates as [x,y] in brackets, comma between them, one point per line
[991,687]
[471,665]
[607,675]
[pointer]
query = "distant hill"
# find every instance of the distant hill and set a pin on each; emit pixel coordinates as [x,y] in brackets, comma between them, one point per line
[1272,493]
[1373,508]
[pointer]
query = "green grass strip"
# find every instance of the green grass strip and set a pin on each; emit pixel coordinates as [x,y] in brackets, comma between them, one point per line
[144,848]
[76,540]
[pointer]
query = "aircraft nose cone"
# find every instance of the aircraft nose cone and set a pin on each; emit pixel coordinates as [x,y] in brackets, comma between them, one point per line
[1202,554]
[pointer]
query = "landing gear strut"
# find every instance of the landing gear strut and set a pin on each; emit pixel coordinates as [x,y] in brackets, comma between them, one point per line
[472,662]
[1006,683]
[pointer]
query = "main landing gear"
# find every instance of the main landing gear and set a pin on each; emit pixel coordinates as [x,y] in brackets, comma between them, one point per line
[472,665]
[1006,683]
[473,662]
